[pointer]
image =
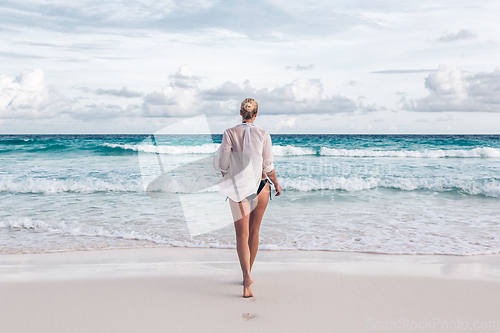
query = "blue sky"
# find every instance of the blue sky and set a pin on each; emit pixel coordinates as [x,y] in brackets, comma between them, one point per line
[313,66]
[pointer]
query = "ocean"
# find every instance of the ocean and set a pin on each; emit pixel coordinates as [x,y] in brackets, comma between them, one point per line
[395,194]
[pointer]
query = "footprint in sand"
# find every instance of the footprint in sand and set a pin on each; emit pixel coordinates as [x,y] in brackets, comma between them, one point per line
[247,316]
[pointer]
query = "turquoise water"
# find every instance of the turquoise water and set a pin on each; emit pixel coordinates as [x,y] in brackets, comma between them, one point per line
[411,194]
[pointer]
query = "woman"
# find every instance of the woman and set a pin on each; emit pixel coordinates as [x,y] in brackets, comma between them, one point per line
[245,159]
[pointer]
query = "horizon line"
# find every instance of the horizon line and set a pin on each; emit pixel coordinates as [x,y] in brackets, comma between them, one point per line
[269,133]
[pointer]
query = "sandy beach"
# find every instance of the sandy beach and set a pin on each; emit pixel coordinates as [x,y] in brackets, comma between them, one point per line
[199,290]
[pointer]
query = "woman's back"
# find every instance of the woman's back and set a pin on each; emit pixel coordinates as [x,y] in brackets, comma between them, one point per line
[244,157]
[249,139]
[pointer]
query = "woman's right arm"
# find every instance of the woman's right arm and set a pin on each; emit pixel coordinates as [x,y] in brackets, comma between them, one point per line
[223,155]
[274,179]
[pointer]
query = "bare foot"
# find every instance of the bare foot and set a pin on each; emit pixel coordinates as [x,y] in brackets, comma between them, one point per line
[243,283]
[247,289]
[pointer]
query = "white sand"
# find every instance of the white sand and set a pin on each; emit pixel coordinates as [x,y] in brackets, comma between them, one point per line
[198,290]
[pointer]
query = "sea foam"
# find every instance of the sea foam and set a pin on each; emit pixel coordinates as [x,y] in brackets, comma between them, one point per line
[490,188]
[164,149]
[483,152]
[50,185]
[291,150]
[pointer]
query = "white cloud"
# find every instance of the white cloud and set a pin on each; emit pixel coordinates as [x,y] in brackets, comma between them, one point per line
[460,35]
[422,120]
[99,111]
[301,68]
[285,123]
[300,96]
[273,19]
[30,96]
[183,97]
[450,89]
[124,92]
[361,126]
[403,71]
[179,98]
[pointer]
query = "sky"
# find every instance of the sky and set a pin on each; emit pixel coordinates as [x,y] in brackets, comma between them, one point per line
[347,67]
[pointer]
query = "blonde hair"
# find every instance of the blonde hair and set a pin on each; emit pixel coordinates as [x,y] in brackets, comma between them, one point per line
[249,108]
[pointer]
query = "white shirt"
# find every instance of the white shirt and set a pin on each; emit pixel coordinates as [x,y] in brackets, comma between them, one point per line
[244,156]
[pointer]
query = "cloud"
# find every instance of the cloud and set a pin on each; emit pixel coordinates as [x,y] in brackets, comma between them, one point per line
[422,120]
[449,117]
[300,96]
[403,71]
[170,16]
[183,97]
[124,92]
[107,45]
[453,90]
[285,123]
[30,96]
[301,68]
[94,111]
[460,35]
[178,99]
[13,55]
[274,20]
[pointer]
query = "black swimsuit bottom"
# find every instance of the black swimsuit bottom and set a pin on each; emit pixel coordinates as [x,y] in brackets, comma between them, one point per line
[261,186]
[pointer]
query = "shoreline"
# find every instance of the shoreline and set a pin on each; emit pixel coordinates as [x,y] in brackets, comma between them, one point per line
[163,260]
[193,289]
[233,247]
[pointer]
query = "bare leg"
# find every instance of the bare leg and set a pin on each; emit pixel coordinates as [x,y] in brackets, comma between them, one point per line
[242,248]
[248,217]
[259,206]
